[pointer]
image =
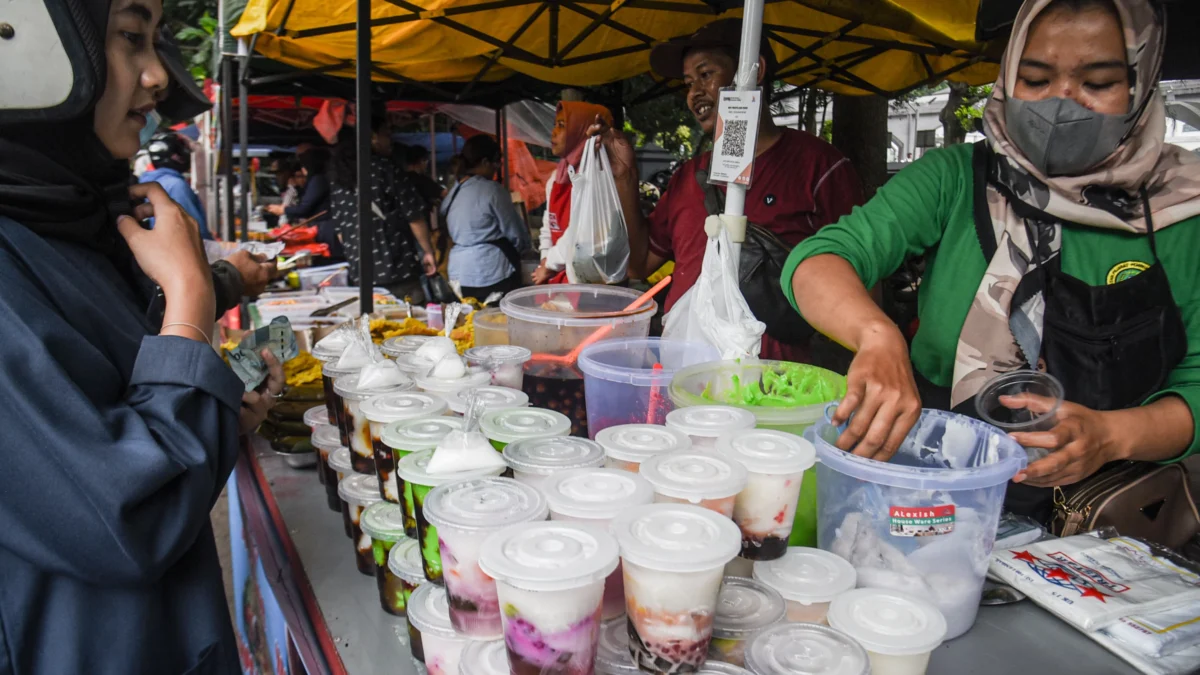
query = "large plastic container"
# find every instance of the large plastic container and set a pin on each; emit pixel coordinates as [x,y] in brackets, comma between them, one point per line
[923,523]
[557,318]
[627,381]
[747,384]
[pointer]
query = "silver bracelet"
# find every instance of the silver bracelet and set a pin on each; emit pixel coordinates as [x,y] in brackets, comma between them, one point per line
[186,325]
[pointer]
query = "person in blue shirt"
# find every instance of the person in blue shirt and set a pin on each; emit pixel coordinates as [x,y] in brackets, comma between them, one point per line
[171,157]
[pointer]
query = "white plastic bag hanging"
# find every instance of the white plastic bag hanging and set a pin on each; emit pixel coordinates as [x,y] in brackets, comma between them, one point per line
[599,240]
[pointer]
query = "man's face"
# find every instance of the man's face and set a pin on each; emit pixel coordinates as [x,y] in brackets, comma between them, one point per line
[381,140]
[705,73]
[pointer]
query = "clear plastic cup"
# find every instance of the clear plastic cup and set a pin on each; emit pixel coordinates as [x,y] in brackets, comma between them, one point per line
[384,524]
[359,492]
[704,479]
[339,468]
[806,649]
[405,438]
[505,363]
[535,459]
[550,578]
[484,658]
[898,630]
[995,413]
[380,411]
[413,469]
[612,652]
[628,445]
[490,397]
[744,609]
[766,509]
[357,428]
[326,439]
[333,400]
[517,424]
[491,326]
[711,667]
[412,365]
[432,637]
[808,579]
[705,423]
[318,416]
[444,388]
[403,344]
[673,556]
[404,563]
[465,514]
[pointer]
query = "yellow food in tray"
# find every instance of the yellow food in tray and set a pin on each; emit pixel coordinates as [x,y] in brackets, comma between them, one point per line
[304,369]
[382,329]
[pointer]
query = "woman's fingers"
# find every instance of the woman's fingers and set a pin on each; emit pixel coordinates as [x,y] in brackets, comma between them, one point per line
[872,444]
[863,417]
[143,211]
[275,377]
[1031,402]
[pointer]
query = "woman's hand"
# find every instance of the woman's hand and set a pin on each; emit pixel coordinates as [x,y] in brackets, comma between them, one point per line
[542,274]
[255,269]
[171,254]
[256,404]
[275,209]
[429,264]
[1081,442]
[882,394]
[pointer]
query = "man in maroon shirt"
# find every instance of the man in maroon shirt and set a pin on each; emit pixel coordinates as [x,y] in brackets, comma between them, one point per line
[800,183]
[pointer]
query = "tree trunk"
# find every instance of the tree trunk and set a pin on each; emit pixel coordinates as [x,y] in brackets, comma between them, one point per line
[860,131]
[809,114]
[952,130]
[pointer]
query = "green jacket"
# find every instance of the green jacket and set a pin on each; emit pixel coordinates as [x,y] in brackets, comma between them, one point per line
[927,209]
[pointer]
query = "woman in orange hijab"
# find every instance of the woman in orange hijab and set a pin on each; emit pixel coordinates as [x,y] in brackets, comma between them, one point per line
[571,122]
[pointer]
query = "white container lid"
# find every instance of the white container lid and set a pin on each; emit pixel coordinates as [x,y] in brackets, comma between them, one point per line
[545,456]
[317,416]
[401,407]
[327,437]
[404,344]
[694,475]
[484,504]
[484,658]
[549,555]
[490,396]
[676,537]
[484,354]
[429,611]
[329,369]
[359,489]
[888,622]
[745,607]
[412,365]
[598,494]
[414,469]
[767,451]
[710,421]
[612,650]
[807,575]
[420,434]
[436,385]
[330,347]
[347,388]
[405,561]
[383,521]
[515,424]
[712,667]
[806,649]
[638,442]
[339,461]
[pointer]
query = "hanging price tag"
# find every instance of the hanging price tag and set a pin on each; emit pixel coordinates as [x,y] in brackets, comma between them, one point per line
[736,136]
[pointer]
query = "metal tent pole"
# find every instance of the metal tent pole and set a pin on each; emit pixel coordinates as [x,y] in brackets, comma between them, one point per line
[362,133]
[244,141]
[432,147]
[746,78]
[227,145]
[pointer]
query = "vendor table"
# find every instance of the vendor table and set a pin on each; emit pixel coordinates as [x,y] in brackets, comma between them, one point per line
[336,624]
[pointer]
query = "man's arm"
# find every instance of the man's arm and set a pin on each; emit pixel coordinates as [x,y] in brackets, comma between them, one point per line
[316,191]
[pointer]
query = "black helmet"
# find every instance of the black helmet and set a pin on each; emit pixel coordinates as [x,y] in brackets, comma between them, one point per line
[169,151]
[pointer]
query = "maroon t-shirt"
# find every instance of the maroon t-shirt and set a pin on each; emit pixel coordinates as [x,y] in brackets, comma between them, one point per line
[799,185]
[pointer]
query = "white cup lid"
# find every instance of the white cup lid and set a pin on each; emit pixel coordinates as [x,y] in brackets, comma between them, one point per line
[637,442]
[429,611]
[612,650]
[438,385]
[598,494]
[498,354]
[549,555]
[745,607]
[405,561]
[404,344]
[420,434]
[414,468]
[769,452]
[514,424]
[712,667]
[339,461]
[807,575]
[347,387]
[411,364]
[327,437]
[383,521]
[490,397]
[484,504]
[888,622]
[401,407]
[676,537]
[330,369]
[359,489]
[545,456]
[484,658]
[710,421]
[694,475]
[806,649]
[331,346]
[317,416]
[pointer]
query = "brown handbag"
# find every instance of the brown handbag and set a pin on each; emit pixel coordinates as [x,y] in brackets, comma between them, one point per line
[1140,499]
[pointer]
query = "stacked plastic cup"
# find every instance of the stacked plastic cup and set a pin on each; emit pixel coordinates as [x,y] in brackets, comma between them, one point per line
[744,609]
[339,468]
[384,524]
[431,635]
[517,424]
[444,388]
[403,344]
[326,440]
[489,397]
[673,557]
[596,496]
[359,492]
[405,438]
[612,653]
[550,578]
[404,563]
[504,363]
[898,631]
[465,514]
[535,459]
[626,446]
[705,423]
[703,479]
[765,510]
[330,373]
[806,649]
[358,430]
[808,579]
[484,658]
[388,409]
[318,416]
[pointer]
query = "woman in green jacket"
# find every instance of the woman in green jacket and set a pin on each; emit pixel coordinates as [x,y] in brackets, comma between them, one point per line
[1067,241]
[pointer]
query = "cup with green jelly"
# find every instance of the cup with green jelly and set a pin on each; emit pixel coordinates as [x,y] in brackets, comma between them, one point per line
[381,411]
[414,470]
[384,524]
[517,424]
[404,564]
[405,438]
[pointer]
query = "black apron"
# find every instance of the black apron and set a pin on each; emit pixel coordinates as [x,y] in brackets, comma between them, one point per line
[1112,346]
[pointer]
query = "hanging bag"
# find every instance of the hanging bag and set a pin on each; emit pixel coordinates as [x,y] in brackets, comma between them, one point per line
[598,238]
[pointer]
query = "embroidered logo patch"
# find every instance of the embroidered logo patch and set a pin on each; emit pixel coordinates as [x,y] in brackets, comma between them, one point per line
[1126,270]
[769,200]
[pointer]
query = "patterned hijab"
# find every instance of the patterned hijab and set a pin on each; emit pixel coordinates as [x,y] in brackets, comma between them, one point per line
[998,337]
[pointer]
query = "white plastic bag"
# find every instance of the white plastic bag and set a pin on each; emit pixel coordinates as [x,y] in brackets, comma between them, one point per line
[713,311]
[599,241]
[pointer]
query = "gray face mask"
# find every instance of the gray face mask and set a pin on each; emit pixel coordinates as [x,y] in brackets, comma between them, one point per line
[1061,137]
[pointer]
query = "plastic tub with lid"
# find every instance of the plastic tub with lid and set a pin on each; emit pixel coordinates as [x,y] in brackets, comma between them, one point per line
[628,445]
[808,579]
[898,631]
[705,424]
[627,381]
[806,649]
[925,522]
[776,463]
[491,327]
[745,608]
[505,363]
[695,477]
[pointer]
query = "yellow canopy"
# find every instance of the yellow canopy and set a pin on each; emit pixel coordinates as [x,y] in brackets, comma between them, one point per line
[845,46]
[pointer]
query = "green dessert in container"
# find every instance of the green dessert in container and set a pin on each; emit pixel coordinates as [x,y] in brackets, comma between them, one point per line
[405,438]
[384,524]
[517,424]
[404,564]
